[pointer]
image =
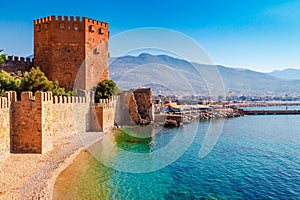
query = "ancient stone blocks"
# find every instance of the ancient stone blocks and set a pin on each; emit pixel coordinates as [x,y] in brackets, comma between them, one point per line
[136,107]
[29,125]
[31,133]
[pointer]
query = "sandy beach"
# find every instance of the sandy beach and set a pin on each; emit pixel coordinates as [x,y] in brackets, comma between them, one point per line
[32,176]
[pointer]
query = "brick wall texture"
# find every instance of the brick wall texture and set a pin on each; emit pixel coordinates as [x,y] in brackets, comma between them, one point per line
[72,51]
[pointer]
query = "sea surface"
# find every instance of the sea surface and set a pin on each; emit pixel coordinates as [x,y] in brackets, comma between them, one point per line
[251,157]
[273,108]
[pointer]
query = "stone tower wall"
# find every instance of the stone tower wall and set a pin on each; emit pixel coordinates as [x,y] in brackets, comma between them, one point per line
[63,46]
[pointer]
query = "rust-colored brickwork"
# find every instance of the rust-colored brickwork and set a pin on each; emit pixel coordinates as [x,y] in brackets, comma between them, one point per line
[62,46]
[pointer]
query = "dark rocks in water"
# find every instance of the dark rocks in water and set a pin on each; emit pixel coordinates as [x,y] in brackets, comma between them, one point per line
[144,122]
[218,115]
[171,123]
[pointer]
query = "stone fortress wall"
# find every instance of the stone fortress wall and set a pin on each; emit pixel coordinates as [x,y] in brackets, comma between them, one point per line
[73,51]
[14,64]
[29,125]
[4,128]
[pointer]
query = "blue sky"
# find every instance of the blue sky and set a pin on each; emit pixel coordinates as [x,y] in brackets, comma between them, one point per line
[259,34]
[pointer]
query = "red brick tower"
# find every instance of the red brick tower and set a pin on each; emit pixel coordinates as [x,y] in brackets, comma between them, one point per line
[63,46]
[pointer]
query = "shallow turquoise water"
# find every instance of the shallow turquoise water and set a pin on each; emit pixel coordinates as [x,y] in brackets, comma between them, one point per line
[255,157]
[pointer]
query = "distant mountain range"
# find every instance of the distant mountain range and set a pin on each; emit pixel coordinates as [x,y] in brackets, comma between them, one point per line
[167,74]
[289,74]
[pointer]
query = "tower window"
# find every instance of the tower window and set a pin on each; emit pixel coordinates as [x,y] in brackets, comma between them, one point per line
[100,31]
[96,51]
[91,29]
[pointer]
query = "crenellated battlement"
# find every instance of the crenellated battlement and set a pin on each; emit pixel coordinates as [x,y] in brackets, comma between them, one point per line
[95,22]
[48,97]
[15,63]
[19,59]
[68,100]
[107,103]
[37,97]
[77,19]
[11,96]
[3,103]
[44,19]
[69,37]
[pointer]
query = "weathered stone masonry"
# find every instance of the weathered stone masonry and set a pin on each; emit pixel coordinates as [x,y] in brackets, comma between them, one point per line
[4,128]
[31,128]
[73,51]
[14,64]
[28,126]
[135,107]
[103,114]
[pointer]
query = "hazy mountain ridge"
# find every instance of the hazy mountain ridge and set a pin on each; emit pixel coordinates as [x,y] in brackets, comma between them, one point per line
[239,81]
[289,74]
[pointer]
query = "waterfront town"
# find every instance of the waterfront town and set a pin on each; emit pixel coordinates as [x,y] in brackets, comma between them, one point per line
[45,123]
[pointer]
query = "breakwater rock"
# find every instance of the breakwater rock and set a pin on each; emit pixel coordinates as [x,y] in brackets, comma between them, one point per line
[175,120]
[210,115]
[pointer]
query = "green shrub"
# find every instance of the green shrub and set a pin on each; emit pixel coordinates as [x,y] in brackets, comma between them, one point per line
[34,80]
[105,89]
